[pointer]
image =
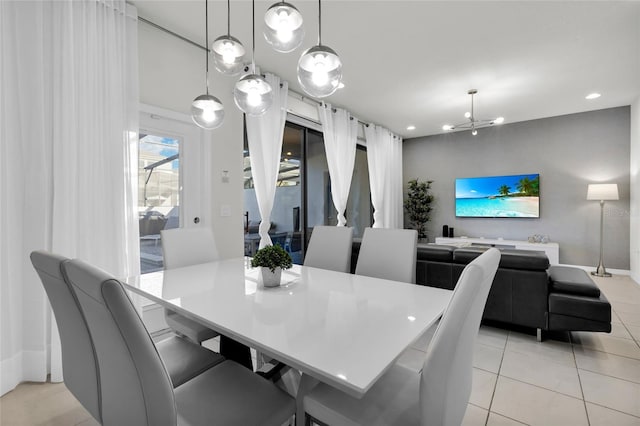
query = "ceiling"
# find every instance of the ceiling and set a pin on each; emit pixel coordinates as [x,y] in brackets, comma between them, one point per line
[412,62]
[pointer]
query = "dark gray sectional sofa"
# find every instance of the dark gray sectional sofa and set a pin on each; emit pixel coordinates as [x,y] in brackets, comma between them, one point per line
[526,291]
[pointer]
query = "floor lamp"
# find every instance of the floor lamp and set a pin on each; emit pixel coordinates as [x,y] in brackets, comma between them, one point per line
[602,192]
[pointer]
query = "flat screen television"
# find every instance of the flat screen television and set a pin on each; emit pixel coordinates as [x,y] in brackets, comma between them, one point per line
[498,196]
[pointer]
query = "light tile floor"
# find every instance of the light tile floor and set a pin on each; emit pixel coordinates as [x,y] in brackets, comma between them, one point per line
[573,379]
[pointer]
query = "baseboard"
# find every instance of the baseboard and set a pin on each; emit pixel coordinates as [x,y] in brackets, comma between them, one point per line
[22,367]
[593,268]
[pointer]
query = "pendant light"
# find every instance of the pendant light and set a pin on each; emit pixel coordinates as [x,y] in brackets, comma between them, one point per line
[319,68]
[228,52]
[473,124]
[253,95]
[283,29]
[207,111]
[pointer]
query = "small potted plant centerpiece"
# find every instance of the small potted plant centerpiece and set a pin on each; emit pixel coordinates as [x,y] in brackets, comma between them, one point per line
[271,260]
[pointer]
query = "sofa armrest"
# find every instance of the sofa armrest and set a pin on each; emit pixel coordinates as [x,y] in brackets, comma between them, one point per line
[567,279]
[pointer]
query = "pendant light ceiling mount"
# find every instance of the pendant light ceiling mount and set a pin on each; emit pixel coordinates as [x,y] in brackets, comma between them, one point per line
[319,68]
[206,110]
[473,124]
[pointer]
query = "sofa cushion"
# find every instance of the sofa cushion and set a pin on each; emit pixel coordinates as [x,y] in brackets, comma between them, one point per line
[510,259]
[566,279]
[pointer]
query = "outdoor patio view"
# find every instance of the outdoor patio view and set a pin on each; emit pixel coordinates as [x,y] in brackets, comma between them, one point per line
[159,195]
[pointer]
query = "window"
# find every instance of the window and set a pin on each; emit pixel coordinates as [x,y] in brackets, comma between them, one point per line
[303,193]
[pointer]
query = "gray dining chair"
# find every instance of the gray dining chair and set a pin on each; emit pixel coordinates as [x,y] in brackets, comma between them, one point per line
[185,247]
[79,364]
[330,248]
[183,359]
[439,394]
[135,388]
[389,254]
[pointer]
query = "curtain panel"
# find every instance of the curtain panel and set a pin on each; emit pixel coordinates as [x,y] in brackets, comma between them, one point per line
[264,135]
[384,157]
[68,152]
[340,131]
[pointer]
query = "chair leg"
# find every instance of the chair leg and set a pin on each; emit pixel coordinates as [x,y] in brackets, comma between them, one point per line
[539,334]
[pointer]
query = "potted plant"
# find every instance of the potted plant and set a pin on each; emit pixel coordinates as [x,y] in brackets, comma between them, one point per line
[418,205]
[271,260]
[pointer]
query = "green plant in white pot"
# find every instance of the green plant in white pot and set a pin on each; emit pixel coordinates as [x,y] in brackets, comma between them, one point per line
[271,260]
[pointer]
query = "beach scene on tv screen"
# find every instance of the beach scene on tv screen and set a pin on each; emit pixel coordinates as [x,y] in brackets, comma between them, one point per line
[498,196]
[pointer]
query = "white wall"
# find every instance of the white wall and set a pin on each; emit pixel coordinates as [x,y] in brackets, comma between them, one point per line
[634,192]
[171,76]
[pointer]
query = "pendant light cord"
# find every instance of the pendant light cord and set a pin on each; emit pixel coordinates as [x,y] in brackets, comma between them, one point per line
[228,18]
[206,42]
[253,29]
[319,23]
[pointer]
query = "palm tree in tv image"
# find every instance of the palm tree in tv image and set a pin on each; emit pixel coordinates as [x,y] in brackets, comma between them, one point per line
[504,190]
[529,187]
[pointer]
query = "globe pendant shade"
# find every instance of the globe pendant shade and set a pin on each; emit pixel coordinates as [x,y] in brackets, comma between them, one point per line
[283,29]
[207,112]
[253,95]
[319,71]
[228,55]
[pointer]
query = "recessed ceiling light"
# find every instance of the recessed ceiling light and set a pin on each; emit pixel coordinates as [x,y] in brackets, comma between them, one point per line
[341,85]
[412,127]
[592,96]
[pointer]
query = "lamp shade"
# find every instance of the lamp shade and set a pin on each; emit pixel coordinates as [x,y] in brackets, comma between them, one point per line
[253,94]
[283,27]
[602,191]
[228,55]
[207,111]
[319,71]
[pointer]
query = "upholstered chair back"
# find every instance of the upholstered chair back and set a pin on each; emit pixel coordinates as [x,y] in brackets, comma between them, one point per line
[445,384]
[330,248]
[135,387]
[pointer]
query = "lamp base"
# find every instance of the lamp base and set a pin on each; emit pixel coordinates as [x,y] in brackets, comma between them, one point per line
[600,271]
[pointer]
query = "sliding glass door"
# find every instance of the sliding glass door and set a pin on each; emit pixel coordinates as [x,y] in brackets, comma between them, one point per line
[303,194]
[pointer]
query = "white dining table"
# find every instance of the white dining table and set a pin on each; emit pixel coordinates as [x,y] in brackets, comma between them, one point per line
[341,329]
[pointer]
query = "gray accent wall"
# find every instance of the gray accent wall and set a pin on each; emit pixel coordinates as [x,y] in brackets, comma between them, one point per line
[568,152]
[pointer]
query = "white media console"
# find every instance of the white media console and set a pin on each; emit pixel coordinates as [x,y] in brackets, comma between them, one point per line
[551,249]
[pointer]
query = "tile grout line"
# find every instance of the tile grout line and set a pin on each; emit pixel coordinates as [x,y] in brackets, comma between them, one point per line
[575,361]
[627,328]
[608,375]
[504,349]
[615,409]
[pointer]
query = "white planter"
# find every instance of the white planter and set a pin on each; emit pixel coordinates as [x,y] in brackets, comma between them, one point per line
[268,278]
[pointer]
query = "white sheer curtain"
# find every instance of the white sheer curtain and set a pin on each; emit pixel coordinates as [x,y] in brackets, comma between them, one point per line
[264,134]
[340,132]
[68,160]
[384,157]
